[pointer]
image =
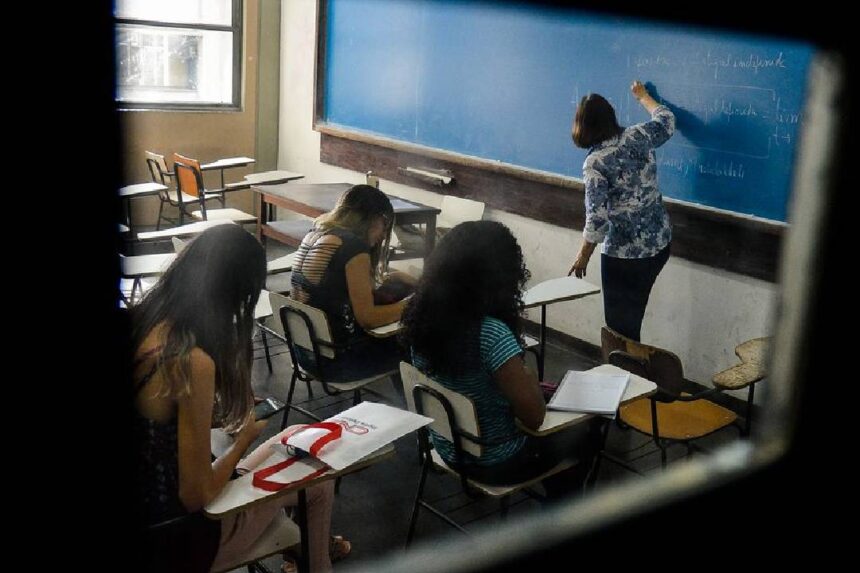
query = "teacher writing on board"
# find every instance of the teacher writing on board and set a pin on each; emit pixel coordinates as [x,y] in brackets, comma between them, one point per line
[623,206]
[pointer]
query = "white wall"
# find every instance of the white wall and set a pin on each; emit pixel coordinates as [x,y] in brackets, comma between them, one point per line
[699,313]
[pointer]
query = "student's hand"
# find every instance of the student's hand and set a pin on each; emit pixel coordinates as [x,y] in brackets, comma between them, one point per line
[639,90]
[250,431]
[579,266]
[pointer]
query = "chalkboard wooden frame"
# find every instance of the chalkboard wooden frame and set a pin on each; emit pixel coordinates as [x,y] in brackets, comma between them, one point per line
[736,243]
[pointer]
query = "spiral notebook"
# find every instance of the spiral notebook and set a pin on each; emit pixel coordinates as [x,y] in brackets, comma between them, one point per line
[589,392]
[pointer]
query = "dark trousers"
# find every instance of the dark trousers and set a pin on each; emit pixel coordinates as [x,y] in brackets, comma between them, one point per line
[626,287]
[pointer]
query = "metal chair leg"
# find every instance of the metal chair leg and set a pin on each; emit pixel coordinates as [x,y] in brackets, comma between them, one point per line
[289,400]
[266,349]
[748,426]
[417,506]
[158,222]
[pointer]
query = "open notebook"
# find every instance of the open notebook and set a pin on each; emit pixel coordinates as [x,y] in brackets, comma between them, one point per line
[589,392]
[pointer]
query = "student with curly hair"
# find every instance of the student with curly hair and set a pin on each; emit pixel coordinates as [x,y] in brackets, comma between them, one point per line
[463,329]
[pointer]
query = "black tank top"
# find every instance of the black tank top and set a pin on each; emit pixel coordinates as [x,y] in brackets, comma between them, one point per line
[189,543]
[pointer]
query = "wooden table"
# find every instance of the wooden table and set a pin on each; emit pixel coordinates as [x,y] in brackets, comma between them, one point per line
[551,291]
[314,199]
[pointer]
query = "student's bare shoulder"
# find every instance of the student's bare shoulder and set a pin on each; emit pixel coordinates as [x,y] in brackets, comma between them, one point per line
[201,363]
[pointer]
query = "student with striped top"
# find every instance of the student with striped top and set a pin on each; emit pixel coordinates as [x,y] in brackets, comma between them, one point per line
[463,329]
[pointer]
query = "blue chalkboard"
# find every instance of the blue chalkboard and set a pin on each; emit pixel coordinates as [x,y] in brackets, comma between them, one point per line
[501,81]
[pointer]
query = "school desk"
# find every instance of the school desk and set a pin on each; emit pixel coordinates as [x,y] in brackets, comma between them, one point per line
[136,267]
[240,494]
[188,230]
[138,190]
[314,199]
[549,292]
[556,420]
[226,163]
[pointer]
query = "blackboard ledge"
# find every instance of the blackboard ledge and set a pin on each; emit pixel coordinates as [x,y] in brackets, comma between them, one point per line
[452,157]
[771,226]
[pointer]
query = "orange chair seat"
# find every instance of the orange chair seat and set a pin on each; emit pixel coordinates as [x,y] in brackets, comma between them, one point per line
[678,420]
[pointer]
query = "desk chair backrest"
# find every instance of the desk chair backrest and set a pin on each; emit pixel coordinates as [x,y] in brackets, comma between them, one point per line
[303,325]
[157,167]
[189,176]
[662,367]
[456,210]
[277,301]
[454,415]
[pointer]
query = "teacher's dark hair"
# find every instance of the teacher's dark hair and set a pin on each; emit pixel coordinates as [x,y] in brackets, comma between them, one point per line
[476,271]
[594,122]
[206,299]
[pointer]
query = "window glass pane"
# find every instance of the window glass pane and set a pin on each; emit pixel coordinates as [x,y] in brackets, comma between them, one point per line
[184,11]
[174,65]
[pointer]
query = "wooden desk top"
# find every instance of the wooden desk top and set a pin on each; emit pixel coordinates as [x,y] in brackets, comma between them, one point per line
[322,197]
[385,330]
[753,354]
[557,290]
[555,420]
[239,494]
[263,178]
[281,264]
[272,177]
[183,231]
[146,265]
[141,189]
[264,306]
[227,163]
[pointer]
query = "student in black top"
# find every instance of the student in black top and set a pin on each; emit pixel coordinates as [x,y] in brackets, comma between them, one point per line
[337,270]
[191,336]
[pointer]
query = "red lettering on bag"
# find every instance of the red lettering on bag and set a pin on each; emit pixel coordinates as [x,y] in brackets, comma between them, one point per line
[354,429]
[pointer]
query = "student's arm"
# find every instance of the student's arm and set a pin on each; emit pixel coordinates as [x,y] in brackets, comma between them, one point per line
[360,287]
[405,278]
[661,126]
[200,480]
[520,386]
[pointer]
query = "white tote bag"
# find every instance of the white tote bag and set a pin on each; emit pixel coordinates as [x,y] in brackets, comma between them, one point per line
[365,428]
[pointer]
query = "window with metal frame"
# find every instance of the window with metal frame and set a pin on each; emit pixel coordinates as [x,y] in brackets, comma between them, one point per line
[178,54]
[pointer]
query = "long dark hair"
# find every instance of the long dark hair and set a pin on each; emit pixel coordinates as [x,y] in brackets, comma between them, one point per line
[476,270]
[206,299]
[594,122]
[355,211]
